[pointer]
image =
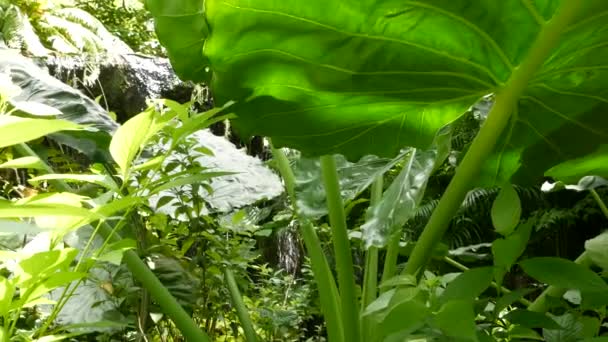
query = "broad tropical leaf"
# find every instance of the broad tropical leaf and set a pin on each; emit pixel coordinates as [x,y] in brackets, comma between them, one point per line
[371,77]
[38,86]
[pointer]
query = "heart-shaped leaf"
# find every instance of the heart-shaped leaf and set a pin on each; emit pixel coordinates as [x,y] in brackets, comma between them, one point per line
[371,77]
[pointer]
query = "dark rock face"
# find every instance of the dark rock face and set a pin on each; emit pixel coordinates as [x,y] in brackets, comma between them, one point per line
[124,82]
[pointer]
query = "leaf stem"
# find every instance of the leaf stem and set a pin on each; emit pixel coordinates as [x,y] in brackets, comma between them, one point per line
[328,291]
[600,202]
[370,277]
[241,309]
[344,261]
[484,142]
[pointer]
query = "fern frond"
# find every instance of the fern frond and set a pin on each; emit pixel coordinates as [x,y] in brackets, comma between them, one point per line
[107,41]
[19,34]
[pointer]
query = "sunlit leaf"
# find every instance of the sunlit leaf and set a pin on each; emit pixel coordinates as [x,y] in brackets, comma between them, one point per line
[23,163]
[371,77]
[35,108]
[102,180]
[593,164]
[16,130]
[130,138]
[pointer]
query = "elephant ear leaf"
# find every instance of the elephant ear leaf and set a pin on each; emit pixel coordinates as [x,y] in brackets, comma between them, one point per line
[373,76]
[38,87]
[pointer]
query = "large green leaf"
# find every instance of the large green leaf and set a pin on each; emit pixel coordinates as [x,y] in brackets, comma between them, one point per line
[564,273]
[373,76]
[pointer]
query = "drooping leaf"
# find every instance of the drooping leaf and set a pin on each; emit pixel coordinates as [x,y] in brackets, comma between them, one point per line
[16,130]
[506,210]
[402,198]
[563,273]
[370,77]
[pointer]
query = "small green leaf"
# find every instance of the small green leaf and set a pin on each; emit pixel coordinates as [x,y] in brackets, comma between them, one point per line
[16,130]
[468,285]
[7,291]
[23,163]
[456,319]
[531,319]
[506,251]
[130,138]
[564,274]
[506,210]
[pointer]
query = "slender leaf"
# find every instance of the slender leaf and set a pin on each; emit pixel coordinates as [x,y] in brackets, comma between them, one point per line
[23,163]
[102,180]
[16,130]
[188,180]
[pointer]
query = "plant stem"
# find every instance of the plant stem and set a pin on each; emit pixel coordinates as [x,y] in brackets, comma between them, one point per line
[484,142]
[463,268]
[600,202]
[139,270]
[344,261]
[390,259]
[241,309]
[286,173]
[328,292]
[370,277]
